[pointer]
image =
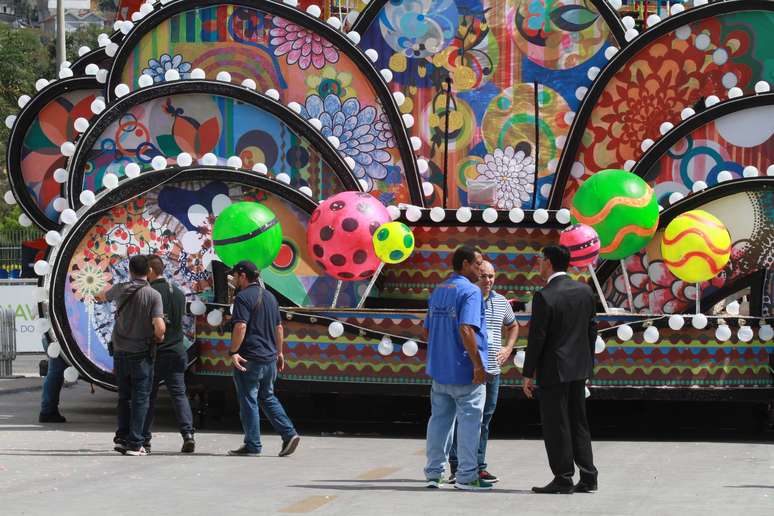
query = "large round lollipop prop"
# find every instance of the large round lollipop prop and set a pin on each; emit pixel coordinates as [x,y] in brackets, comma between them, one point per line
[247,231]
[339,236]
[622,209]
[393,243]
[696,246]
[583,243]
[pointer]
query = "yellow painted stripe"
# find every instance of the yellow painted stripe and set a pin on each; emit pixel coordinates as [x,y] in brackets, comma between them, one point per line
[308,504]
[377,473]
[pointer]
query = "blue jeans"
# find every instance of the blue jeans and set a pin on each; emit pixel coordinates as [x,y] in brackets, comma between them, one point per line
[466,404]
[170,367]
[492,392]
[134,375]
[52,386]
[254,386]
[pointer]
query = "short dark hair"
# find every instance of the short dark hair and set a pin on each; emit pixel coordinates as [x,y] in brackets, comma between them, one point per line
[464,253]
[247,268]
[558,255]
[156,263]
[138,265]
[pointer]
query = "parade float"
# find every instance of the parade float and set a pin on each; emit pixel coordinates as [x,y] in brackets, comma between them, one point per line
[641,143]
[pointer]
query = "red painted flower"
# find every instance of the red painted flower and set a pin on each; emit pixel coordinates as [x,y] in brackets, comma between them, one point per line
[301,46]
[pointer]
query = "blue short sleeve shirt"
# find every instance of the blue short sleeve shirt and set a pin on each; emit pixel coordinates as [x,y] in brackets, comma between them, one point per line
[454,302]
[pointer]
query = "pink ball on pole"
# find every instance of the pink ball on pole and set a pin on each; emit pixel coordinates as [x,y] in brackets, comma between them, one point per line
[583,243]
[340,232]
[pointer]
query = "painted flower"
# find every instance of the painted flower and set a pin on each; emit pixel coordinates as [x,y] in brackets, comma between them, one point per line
[88,279]
[513,173]
[355,127]
[330,82]
[301,46]
[157,68]
[383,130]
[538,16]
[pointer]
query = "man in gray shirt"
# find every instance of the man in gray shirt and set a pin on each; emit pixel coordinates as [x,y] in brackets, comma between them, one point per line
[138,326]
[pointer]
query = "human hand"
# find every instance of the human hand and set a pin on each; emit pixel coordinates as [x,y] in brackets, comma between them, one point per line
[280,362]
[528,388]
[479,375]
[503,355]
[237,360]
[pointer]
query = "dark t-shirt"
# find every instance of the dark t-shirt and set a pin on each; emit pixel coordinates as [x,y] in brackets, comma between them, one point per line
[260,342]
[173,300]
[133,328]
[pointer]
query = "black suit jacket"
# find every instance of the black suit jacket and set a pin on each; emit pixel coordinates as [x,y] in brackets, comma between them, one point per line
[562,333]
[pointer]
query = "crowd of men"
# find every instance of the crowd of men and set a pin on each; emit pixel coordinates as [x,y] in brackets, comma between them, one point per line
[471,333]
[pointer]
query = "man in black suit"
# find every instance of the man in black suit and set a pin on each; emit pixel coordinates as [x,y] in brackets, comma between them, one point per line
[560,350]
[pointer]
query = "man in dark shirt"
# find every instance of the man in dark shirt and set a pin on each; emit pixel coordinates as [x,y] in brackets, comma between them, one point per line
[139,325]
[256,353]
[171,357]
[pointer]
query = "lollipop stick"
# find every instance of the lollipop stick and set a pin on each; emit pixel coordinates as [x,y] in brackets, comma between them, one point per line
[698,298]
[370,285]
[628,286]
[599,289]
[336,294]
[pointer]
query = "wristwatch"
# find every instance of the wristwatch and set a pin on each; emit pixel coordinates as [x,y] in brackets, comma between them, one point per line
[233,352]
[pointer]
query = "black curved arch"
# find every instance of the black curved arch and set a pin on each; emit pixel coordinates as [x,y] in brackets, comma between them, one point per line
[283,113]
[371,11]
[16,140]
[617,62]
[108,199]
[656,151]
[303,19]
[97,56]
[693,202]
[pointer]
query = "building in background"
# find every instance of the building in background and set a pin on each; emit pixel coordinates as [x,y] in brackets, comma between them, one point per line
[78,13]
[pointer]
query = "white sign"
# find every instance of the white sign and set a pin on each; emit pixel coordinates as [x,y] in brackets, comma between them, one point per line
[71,4]
[22,300]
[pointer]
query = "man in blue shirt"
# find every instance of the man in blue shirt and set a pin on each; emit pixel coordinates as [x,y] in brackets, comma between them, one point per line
[456,354]
[256,353]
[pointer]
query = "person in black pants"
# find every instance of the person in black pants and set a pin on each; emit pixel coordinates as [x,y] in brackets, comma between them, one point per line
[171,358]
[560,353]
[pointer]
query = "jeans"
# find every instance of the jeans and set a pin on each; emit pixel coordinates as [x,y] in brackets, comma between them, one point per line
[170,367]
[52,386]
[492,393]
[134,374]
[254,386]
[466,403]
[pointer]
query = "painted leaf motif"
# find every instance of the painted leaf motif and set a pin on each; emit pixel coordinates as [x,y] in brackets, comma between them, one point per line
[167,145]
[573,18]
[54,121]
[185,135]
[209,134]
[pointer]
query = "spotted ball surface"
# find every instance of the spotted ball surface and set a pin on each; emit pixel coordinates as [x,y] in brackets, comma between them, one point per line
[340,232]
[583,243]
[393,242]
[622,209]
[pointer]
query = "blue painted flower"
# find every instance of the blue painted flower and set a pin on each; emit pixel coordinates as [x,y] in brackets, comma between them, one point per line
[157,69]
[356,129]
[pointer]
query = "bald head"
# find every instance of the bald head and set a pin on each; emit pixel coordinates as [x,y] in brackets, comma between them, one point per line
[486,281]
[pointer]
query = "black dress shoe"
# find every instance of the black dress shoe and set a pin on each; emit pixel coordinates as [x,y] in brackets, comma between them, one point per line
[584,487]
[189,445]
[54,417]
[554,488]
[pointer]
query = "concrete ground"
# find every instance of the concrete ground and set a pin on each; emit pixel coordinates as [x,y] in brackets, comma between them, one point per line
[70,469]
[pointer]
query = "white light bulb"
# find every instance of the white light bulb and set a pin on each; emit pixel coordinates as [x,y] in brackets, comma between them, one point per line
[489,215]
[198,74]
[132,170]
[223,76]
[184,160]
[335,329]
[87,198]
[272,94]
[198,307]
[41,267]
[540,216]
[409,348]
[651,334]
[413,213]
[81,124]
[385,346]
[676,322]
[699,321]
[209,160]
[121,90]
[624,333]
[60,175]
[463,214]
[68,217]
[158,163]
[437,214]
[110,181]
[599,345]
[234,162]
[171,75]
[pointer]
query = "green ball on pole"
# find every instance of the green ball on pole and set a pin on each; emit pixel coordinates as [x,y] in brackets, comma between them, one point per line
[247,231]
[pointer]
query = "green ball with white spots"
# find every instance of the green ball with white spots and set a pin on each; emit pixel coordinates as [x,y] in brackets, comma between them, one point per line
[393,242]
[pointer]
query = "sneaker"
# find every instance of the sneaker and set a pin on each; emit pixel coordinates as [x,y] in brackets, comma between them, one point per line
[487,476]
[137,453]
[189,445]
[243,451]
[289,446]
[452,477]
[476,485]
[120,446]
[54,417]
[434,483]
[147,448]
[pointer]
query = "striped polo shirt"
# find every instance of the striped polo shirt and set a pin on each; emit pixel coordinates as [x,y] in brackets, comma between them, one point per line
[498,314]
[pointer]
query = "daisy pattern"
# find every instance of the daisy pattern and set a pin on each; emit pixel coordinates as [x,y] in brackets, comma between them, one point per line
[513,173]
[88,279]
[157,68]
[301,46]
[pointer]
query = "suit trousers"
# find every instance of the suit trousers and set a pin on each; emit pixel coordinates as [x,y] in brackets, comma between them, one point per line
[566,431]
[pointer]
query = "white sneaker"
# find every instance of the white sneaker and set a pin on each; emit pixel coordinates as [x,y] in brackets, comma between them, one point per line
[137,453]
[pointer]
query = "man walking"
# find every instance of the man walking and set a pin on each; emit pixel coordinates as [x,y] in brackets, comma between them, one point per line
[52,388]
[138,326]
[499,318]
[256,353]
[171,358]
[456,354]
[560,351]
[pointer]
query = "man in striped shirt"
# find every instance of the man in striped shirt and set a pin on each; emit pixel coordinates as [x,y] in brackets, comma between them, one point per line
[499,317]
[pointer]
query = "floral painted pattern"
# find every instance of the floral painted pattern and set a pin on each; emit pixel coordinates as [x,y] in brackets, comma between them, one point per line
[158,67]
[356,131]
[301,46]
[513,172]
[331,82]
[88,279]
